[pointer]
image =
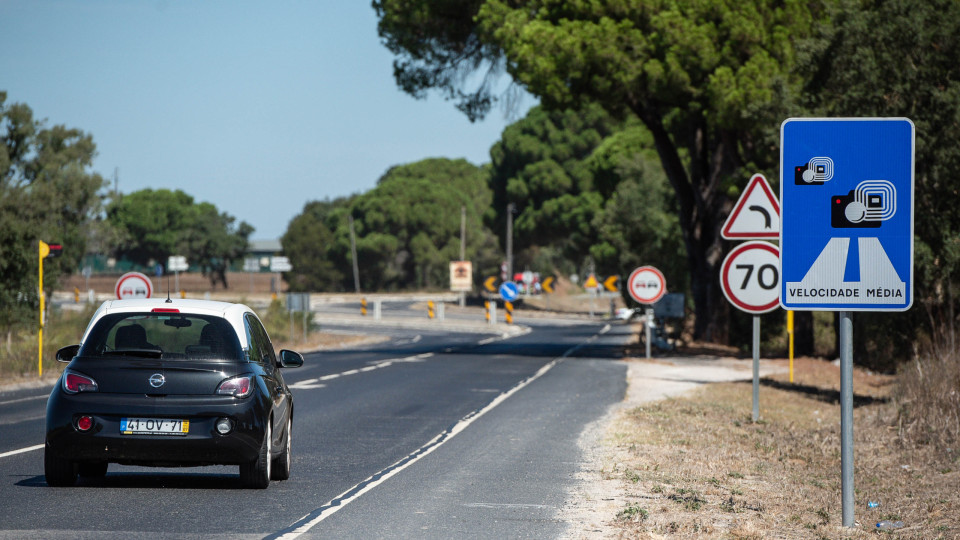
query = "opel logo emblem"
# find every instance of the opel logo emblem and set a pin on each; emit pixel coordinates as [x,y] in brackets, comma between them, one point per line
[157,380]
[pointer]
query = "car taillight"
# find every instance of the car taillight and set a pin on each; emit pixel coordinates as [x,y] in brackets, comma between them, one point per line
[84,423]
[241,386]
[74,383]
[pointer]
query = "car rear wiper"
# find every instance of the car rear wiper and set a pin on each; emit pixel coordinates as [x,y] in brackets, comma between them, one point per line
[146,353]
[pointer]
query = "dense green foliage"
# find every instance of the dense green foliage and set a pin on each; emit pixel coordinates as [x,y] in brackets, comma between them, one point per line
[899,58]
[540,165]
[438,46]
[407,230]
[709,79]
[588,188]
[155,224]
[638,225]
[47,192]
[309,243]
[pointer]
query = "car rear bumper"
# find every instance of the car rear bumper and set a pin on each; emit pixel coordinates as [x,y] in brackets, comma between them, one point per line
[202,445]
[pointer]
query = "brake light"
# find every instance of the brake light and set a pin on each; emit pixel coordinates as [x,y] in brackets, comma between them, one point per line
[241,386]
[164,310]
[74,383]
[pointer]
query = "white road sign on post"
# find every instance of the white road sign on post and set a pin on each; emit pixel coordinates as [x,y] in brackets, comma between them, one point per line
[750,277]
[647,285]
[461,276]
[756,216]
[280,264]
[177,263]
[134,285]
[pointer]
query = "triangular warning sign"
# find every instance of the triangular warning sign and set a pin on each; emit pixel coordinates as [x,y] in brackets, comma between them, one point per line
[591,282]
[756,215]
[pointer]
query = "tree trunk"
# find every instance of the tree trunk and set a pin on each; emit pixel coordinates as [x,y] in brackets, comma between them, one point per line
[701,206]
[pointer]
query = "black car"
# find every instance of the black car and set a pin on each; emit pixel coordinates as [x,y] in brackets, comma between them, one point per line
[170,384]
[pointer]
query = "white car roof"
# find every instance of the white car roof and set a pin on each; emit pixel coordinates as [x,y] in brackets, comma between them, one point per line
[233,313]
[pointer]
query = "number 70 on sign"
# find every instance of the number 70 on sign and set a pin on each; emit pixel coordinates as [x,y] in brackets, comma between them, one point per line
[750,277]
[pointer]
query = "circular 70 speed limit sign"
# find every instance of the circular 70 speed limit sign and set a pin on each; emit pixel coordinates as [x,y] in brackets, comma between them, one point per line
[750,277]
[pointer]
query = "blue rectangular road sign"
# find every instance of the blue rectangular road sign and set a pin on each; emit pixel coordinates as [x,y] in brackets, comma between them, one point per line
[846,197]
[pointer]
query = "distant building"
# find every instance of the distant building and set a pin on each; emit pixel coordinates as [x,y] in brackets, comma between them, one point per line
[262,250]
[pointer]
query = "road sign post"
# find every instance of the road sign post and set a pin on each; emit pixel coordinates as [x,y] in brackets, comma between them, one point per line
[509,292]
[177,263]
[846,241]
[646,285]
[750,279]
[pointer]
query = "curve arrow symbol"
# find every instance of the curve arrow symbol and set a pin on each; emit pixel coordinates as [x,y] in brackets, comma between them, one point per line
[762,210]
[547,284]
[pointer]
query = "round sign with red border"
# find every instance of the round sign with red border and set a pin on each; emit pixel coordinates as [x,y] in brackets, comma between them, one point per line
[750,277]
[134,285]
[647,285]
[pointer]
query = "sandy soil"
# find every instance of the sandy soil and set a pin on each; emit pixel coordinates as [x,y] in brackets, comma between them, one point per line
[599,495]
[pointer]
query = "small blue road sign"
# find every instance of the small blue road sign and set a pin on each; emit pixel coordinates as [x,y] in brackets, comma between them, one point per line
[846,226]
[509,291]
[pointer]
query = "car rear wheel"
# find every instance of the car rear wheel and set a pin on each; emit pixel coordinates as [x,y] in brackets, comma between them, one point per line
[281,465]
[256,474]
[59,472]
[93,470]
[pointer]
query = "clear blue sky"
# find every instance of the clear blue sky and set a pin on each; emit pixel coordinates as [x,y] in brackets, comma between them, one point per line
[256,107]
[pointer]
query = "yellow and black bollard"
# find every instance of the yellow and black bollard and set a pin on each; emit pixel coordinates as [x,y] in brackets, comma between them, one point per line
[76,295]
[509,312]
[183,293]
[486,310]
[363,307]
[430,309]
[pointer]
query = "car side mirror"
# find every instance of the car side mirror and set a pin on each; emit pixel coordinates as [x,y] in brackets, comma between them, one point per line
[289,358]
[66,354]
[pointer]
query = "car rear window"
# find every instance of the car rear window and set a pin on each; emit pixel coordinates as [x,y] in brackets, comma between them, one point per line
[169,336]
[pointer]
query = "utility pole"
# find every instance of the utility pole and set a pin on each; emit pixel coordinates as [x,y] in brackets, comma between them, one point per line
[511,208]
[463,248]
[353,252]
[463,233]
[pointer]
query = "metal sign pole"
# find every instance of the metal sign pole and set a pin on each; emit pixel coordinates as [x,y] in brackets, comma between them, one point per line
[756,368]
[648,321]
[846,415]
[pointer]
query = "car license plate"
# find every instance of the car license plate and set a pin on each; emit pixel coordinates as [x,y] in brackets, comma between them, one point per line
[153,426]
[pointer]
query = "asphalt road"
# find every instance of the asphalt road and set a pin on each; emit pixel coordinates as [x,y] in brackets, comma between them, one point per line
[427,435]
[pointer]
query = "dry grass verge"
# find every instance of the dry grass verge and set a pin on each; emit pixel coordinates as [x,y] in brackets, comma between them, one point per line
[697,467]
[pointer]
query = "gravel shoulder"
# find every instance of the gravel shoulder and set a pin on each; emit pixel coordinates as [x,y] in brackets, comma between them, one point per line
[598,494]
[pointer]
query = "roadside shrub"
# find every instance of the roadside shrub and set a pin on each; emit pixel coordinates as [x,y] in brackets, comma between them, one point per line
[928,395]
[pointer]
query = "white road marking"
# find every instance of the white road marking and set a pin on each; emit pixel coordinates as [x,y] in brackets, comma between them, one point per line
[31,398]
[311,383]
[311,520]
[10,421]
[487,341]
[21,451]
[308,384]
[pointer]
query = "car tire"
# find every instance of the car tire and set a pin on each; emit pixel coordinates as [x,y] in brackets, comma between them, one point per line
[256,474]
[281,465]
[59,472]
[96,469]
